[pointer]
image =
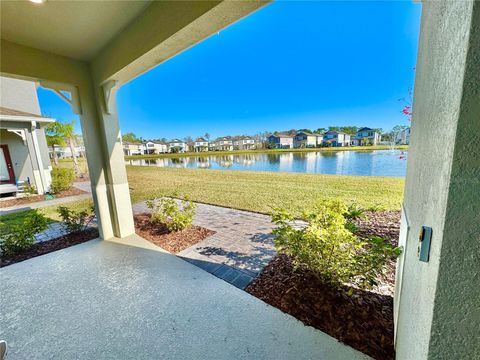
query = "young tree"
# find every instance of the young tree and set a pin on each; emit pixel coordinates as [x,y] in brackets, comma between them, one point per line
[130,137]
[55,134]
[69,133]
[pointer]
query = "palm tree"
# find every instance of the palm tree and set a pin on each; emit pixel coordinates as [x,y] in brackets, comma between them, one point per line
[55,135]
[69,133]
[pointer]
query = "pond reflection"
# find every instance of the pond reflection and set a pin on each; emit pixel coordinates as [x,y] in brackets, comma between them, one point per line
[364,163]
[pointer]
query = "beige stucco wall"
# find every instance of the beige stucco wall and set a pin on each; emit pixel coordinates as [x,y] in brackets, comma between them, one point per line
[22,95]
[439,305]
[22,165]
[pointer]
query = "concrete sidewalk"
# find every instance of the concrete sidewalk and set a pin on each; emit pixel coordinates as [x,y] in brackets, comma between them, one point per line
[130,300]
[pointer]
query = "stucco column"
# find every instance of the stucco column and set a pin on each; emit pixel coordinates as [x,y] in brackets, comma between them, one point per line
[437,299]
[106,163]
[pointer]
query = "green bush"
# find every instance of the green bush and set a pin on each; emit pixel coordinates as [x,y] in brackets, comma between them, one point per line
[327,247]
[175,215]
[19,237]
[354,211]
[62,179]
[75,221]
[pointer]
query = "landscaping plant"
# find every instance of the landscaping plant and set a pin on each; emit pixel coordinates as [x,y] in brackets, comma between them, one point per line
[19,237]
[75,221]
[327,247]
[62,179]
[176,215]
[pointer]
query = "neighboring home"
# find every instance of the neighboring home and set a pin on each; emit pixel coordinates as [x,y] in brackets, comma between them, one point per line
[66,152]
[280,141]
[132,148]
[244,143]
[224,144]
[177,146]
[403,137]
[306,140]
[336,139]
[366,136]
[212,146]
[23,147]
[200,145]
[154,147]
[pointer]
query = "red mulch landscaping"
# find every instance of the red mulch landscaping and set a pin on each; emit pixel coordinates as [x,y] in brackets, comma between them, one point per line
[51,246]
[173,242]
[35,198]
[363,320]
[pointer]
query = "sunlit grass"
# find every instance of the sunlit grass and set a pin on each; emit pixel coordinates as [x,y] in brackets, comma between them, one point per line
[251,190]
[263,191]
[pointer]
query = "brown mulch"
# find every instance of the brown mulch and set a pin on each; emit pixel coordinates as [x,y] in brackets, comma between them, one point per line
[173,242]
[35,198]
[51,246]
[381,223]
[363,320]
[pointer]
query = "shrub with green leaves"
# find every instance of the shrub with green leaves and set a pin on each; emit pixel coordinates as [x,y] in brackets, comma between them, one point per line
[176,215]
[75,221]
[62,179]
[328,248]
[354,211]
[17,238]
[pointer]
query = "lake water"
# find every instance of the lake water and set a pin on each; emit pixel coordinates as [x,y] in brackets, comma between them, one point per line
[363,163]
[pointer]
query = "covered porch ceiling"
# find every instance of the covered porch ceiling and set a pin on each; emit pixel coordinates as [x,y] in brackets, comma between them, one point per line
[120,39]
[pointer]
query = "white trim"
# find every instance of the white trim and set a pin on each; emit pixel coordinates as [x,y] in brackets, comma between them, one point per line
[38,155]
[22,118]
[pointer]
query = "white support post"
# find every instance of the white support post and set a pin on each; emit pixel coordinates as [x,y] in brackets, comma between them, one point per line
[106,162]
[38,157]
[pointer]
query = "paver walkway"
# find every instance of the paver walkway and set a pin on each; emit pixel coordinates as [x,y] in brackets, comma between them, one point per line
[240,248]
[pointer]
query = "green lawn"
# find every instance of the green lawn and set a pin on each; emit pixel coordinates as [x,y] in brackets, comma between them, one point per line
[263,191]
[249,190]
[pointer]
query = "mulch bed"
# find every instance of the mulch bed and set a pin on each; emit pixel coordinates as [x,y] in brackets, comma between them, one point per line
[363,320]
[51,246]
[173,242]
[35,198]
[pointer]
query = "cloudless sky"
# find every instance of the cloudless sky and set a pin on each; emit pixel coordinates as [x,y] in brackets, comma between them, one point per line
[288,65]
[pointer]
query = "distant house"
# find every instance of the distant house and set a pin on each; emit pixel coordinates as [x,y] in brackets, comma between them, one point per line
[336,139]
[224,144]
[154,147]
[366,136]
[23,147]
[212,146]
[133,148]
[403,137]
[280,141]
[244,143]
[303,139]
[200,145]
[177,146]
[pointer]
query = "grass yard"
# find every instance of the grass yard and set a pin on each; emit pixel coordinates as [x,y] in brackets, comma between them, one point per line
[250,190]
[263,191]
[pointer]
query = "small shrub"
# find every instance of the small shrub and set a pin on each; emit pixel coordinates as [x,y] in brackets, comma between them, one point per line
[354,211]
[176,216]
[328,248]
[75,221]
[29,190]
[62,179]
[15,239]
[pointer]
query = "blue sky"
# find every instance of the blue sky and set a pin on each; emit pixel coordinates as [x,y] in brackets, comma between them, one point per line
[289,65]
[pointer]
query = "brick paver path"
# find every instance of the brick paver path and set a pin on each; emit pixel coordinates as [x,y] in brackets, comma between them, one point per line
[240,248]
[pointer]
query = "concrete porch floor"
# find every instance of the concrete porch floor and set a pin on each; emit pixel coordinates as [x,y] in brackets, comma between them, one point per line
[127,299]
